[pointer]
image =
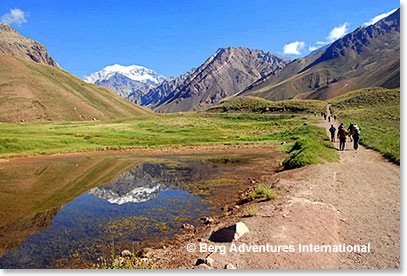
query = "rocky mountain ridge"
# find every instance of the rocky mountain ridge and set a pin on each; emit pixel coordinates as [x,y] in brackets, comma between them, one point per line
[366,57]
[14,44]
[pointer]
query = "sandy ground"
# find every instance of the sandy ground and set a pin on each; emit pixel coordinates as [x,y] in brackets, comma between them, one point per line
[355,201]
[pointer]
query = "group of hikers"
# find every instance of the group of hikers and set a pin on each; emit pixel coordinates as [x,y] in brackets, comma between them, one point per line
[325,116]
[353,131]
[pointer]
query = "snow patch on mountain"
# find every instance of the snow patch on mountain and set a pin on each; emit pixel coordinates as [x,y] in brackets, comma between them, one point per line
[133,72]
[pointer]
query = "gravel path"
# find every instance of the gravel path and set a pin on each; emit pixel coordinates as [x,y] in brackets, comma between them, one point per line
[355,201]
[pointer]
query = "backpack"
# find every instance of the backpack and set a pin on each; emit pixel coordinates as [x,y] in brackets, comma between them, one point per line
[356,131]
[342,133]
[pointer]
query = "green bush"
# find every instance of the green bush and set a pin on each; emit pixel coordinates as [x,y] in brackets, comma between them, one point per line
[262,192]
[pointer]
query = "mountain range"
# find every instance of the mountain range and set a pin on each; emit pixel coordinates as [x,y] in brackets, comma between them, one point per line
[366,57]
[226,72]
[34,87]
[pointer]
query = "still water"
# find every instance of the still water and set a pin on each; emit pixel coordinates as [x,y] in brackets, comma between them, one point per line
[67,212]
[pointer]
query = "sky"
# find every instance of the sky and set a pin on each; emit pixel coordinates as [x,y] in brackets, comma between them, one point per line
[174,36]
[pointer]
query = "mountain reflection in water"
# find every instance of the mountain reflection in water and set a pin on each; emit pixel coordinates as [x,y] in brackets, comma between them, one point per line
[146,202]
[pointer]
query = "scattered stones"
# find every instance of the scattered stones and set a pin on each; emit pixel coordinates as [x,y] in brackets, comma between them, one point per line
[126,253]
[228,234]
[188,227]
[230,266]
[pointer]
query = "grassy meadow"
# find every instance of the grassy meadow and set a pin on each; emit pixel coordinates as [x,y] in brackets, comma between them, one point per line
[162,130]
[377,113]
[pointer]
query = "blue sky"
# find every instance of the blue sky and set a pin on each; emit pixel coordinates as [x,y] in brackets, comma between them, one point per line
[172,37]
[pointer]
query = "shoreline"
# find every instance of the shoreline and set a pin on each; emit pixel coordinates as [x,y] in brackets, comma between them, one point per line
[143,152]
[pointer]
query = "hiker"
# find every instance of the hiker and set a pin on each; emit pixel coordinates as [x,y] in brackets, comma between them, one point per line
[335,117]
[324,116]
[332,130]
[356,137]
[329,118]
[350,131]
[342,136]
[315,114]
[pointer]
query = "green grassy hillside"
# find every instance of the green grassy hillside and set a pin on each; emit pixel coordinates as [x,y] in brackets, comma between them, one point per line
[259,105]
[32,91]
[377,112]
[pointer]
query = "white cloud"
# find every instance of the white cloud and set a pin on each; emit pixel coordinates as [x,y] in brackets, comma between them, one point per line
[312,48]
[334,34]
[322,42]
[294,48]
[378,17]
[15,16]
[338,32]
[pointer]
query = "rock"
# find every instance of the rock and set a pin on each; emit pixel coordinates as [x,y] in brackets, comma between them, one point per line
[209,261]
[283,143]
[204,266]
[237,206]
[207,220]
[230,266]
[252,181]
[199,261]
[146,252]
[188,227]
[306,123]
[228,234]
[93,119]
[126,253]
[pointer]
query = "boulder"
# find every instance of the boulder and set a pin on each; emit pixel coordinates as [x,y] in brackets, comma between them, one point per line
[199,261]
[209,261]
[231,233]
[203,266]
[230,266]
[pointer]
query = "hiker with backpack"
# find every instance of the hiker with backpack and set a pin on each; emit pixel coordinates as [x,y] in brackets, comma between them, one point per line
[332,130]
[350,130]
[342,136]
[356,137]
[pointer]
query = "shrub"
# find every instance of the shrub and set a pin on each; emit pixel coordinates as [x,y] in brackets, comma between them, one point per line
[252,211]
[262,192]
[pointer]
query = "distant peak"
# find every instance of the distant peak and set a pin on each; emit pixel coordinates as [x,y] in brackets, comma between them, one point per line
[133,72]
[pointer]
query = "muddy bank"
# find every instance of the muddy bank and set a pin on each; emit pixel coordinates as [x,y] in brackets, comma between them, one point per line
[173,150]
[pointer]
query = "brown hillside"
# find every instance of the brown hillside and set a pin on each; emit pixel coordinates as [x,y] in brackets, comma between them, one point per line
[33,91]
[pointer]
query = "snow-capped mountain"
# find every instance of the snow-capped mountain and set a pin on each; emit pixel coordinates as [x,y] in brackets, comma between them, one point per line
[133,72]
[126,80]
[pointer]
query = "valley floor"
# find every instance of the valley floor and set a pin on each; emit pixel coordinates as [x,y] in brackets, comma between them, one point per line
[355,201]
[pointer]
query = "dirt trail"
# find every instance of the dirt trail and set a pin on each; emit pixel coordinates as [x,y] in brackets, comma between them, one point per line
[355,201]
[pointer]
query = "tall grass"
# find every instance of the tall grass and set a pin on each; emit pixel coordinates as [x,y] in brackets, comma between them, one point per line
[377,113]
